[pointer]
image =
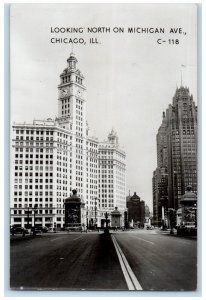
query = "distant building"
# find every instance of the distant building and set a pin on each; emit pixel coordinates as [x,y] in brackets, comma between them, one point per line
[176,154]
[148,216]
[112,175]
[160,195]
[147,211]
[136,211]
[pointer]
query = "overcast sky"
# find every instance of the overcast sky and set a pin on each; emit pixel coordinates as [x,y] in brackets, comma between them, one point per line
[130,78]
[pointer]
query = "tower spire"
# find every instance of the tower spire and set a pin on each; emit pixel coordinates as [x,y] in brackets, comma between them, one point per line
[72,50]
[72,61]
[181,78]
[182,66]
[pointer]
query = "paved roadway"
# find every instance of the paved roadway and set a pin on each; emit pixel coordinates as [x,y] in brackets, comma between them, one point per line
[161,261]
[75,261]
[89,261]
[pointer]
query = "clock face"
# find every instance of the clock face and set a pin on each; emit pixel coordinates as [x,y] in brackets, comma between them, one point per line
[64,92]
[79,93]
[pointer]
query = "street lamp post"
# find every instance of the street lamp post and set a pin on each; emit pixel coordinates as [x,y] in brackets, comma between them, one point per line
[35,211]
[106,229]
[171,216]
[163,201]
[195,208]
[95,212]
[87,217]
[163,217]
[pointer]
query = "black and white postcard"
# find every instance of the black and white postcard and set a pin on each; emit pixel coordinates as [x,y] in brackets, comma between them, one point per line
[103,148]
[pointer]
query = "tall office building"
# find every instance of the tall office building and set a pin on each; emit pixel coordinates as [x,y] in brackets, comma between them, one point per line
[176,153]
[40,174]
[92,180]
[182,145]
[112,174]
[160,175]
[49,158]
[160,196]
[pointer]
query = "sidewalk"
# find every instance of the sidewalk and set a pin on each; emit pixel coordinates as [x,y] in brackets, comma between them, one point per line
[17,237]
[30,236]
[167,232]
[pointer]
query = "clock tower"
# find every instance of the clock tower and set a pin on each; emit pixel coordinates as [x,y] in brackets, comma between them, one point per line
[72,116]
[71,92]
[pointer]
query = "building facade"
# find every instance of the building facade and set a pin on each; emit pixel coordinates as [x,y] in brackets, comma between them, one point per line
[72,116]
[176,154]
[182,146]
[50,158]
[112,175]
[160,196]
[136,211]
[40,176]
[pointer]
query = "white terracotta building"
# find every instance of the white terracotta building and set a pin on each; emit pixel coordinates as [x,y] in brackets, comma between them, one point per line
[49,158]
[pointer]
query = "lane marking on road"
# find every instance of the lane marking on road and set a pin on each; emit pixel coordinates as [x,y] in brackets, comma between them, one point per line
[79,237]
[144,240]
[130,278]
[54,239]
[60,237]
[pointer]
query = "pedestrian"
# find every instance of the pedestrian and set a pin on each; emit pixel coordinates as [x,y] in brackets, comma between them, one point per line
[33,231]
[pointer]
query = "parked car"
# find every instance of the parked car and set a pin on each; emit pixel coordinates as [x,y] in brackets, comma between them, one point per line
[35,231]
[149,227]
[38,230]
[52,229]
[74,228]
[43,228]
[20,230]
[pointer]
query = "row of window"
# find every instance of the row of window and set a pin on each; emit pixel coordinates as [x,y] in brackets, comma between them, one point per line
[20,138]
[20,212]
[47,132]
[30,193]
[105,166]
[47,150]
[47,156]
[65,136]
[37,174]
[41,162]
[19,205]
[26,187]
[19,220]
[36,200]
[26,180]
[65,112]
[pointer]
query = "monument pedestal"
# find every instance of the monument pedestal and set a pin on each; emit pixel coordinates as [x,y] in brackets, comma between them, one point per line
[74,212]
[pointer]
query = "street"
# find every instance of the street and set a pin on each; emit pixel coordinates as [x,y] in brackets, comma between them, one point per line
[161,262]
[130,260]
